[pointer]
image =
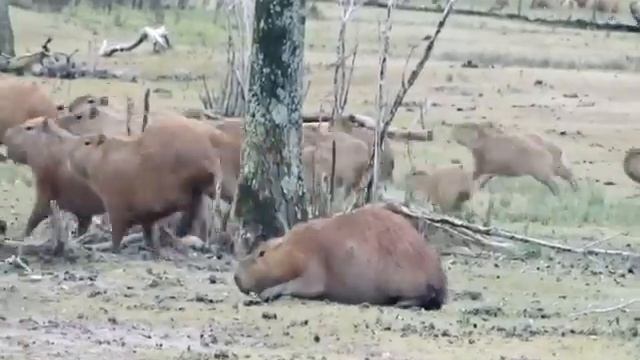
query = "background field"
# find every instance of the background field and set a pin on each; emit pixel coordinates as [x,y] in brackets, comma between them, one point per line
[577,87]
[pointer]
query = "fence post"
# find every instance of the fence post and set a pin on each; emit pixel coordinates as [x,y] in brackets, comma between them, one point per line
[519,7]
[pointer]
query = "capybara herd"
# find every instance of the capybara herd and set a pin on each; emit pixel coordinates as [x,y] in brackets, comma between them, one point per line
[91,159]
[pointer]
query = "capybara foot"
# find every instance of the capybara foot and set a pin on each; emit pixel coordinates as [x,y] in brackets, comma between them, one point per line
[271,293]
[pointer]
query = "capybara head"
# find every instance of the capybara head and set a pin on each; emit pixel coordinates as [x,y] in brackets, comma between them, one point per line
[85,152]
[26,138]
[467,134]
[268,265]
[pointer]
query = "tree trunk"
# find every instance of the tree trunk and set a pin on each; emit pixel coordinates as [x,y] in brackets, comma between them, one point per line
[271,196]
[6,31]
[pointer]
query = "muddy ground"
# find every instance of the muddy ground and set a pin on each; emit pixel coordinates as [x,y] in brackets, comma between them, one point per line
[579,88]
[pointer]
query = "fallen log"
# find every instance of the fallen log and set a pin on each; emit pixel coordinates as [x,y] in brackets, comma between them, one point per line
[370,123]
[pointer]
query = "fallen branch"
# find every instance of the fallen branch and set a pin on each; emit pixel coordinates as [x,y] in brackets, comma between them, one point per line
[623,307]
[145,116]
[369,123]
[415,212]
[159,37]
[17,262]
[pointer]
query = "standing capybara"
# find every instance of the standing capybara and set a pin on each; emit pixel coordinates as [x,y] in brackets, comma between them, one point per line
[352,159]
[20,101]
[166,169]
[631,164]
[44,147]
[369,255]
[499,154]
[447,187]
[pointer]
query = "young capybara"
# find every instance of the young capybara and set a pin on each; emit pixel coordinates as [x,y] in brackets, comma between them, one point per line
[166,169]
[500,154]
[44,147]
[370,255]
[20,101]
[447,187]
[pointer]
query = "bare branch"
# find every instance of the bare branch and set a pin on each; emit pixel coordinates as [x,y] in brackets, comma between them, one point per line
[145,117]
[623,307]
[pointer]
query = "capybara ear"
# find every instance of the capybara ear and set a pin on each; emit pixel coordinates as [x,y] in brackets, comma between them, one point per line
[104,101]
[78,116]
[91,100]
[101,139]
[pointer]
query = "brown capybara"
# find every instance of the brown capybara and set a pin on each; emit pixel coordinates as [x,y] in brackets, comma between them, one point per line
[634,9]
[369,255]
[141,179]
[352,159]
[44,147]
[20,101]
[499,154]
[446,187]
[560,163]
[631,164]
[582,3]
[314,132]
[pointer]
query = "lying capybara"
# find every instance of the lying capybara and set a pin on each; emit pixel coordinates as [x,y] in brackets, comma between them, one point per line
[499,154]
[20,101]
[370,255]
[631,164]
[447,187]
[141,179]
[352,159]
[44,147]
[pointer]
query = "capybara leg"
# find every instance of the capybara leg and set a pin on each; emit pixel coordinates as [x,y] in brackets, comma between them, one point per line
[309,285]
[484,179]
[40,211]
[150,239]
[548,181]
[118,228]
[188,216]
[83,224]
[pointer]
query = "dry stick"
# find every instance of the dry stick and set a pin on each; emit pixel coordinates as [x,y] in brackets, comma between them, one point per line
[492,231]
[17,262]
[333,174]
[145,117]
[381,100]
[622,307]
[129,114]
[409,83]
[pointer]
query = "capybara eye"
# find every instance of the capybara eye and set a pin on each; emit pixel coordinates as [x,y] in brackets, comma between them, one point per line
[87,142]
[261,253]
[29,128]
[79,116]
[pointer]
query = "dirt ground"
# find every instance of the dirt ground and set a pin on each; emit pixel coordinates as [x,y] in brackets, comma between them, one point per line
[577,87]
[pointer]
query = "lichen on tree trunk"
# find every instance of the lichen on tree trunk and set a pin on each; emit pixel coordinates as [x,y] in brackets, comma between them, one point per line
[271,194]
[6,31]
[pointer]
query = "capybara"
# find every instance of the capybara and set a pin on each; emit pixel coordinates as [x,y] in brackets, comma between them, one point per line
[560,164]
[634,9]
[447,187]
[44,147]
[20,101]
[369,255]
[498,5]
[499,154]
[168,168]
[631,164]
[352,159]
